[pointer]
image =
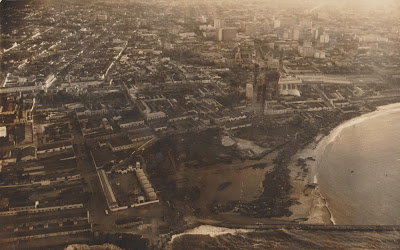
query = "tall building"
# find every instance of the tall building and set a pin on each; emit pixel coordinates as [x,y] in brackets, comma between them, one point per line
[308,51]
[319,54]
[324,38]
[316,34]
[296,34]
[227,34]
[219,23]
[277,23]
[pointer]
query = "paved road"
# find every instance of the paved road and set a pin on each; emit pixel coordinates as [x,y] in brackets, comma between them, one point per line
[97,203]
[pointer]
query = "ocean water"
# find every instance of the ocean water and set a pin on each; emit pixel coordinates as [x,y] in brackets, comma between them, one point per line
[287,239]
[358,171]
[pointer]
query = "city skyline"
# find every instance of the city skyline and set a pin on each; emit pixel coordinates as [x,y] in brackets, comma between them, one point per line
[183,124]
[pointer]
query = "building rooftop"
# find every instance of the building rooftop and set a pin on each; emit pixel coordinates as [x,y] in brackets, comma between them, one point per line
[119,141]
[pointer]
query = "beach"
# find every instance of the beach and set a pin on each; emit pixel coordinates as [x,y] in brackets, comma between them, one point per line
[292,183]
[312,204]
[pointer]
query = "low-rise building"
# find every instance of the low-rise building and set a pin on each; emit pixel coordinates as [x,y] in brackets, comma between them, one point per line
[120,143]
[129,123]
[139,135]
[28,153]
[155,115]
[237,125]
[54,147]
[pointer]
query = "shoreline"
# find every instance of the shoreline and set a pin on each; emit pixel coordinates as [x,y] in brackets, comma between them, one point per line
[313,205]
[287,199]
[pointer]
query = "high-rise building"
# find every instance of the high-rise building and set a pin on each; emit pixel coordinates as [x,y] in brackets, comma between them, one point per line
[308,51]
[316,34]
[319,54]
[227,34]
[324,38]
[219,23]
[296,34]
[277,23]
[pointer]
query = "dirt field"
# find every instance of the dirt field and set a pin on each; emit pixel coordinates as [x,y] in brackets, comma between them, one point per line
[125,186]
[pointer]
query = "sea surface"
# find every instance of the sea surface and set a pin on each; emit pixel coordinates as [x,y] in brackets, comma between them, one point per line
[358,171]
[208,237]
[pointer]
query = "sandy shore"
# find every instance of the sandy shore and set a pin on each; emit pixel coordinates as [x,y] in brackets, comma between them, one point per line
[312,204]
